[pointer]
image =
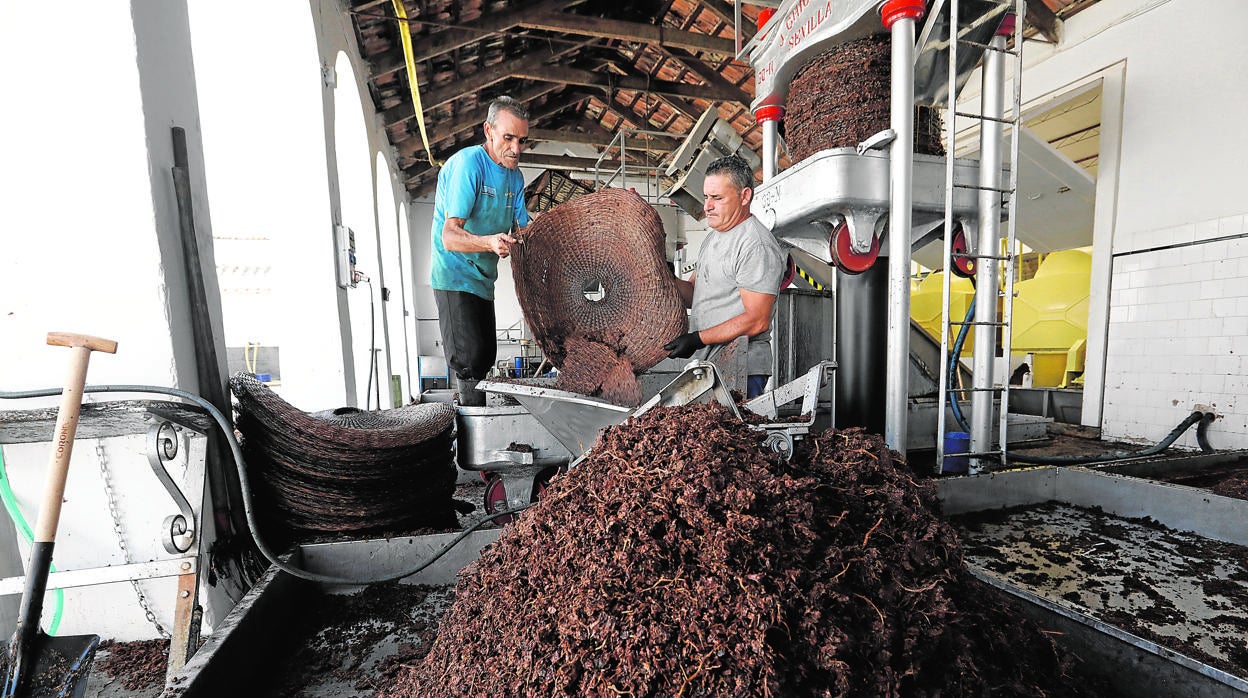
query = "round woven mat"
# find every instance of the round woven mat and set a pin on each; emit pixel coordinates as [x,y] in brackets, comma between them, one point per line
[347,470]
[608,244]
[841,98]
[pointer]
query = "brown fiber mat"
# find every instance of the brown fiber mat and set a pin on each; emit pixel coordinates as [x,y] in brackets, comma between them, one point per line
[610,240]
[841,98]
[347,470]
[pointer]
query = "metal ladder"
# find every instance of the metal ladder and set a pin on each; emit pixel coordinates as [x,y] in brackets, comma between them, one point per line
[981,449]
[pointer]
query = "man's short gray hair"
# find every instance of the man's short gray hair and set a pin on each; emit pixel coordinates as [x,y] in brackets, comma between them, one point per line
[509,105]
[736,169]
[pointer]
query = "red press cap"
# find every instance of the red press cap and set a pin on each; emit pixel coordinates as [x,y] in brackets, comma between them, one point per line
[768,112]
[894,10]
[764,15]
[1007,25]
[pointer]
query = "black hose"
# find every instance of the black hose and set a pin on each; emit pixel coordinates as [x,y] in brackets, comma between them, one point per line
[1202,432]
[228,434]
[1118,455]
[955,357]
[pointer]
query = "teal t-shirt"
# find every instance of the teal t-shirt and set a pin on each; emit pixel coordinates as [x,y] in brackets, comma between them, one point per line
[489,197]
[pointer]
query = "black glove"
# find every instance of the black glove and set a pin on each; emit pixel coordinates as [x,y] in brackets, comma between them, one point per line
[683,346]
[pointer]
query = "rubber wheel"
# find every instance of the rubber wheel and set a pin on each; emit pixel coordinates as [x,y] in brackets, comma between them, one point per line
[496,498]
[496,494]
[790,272]
[843,255]
[961,266]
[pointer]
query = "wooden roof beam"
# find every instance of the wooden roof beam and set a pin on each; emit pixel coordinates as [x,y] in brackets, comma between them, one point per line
[724,11]
[676,102]
[473,83]
[412,146]
[569,162]
[586,78]
[598,137]
[628,31]
[478,117]
[1045,21]
[447,40]
[711,77]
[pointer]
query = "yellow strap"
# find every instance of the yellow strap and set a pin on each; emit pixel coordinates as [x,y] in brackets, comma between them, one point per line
[406,33]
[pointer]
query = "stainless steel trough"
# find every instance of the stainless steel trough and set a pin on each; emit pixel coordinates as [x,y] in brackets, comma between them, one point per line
[246,648]
[1066,598]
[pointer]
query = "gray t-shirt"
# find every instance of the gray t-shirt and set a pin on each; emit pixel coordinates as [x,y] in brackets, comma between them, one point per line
[745,257]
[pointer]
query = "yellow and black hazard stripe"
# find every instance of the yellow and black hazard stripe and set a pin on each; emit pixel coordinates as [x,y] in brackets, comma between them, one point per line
[808,278]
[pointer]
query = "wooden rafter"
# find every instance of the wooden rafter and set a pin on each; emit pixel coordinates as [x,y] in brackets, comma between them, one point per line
[451,38]
[546,110]
[724,11]
[472,84]
[679,104]
[711,77]
[1045,21]
[412,146]
[628,31]
[596,136]
[640,83]
[569,162]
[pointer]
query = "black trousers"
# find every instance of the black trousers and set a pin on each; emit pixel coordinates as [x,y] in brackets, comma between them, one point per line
[469,341]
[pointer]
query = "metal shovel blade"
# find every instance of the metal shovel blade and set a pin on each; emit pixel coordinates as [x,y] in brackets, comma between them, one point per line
[53,666]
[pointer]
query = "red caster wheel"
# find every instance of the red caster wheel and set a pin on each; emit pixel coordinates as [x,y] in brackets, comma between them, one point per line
[845,258]
[496,494]
[960,266]
[790,272]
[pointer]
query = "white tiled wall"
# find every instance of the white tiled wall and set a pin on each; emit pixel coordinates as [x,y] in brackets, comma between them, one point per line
[1178,333]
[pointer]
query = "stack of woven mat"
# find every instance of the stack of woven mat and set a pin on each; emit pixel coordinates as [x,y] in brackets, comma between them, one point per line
[842,97]
[347,470]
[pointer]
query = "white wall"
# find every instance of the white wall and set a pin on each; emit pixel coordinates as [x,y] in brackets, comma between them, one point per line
[74,215]
[1175,322]
[1178,334]
[91,245]
[270,202]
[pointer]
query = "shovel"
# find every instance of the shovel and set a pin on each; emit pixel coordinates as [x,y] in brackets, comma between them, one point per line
[37,663]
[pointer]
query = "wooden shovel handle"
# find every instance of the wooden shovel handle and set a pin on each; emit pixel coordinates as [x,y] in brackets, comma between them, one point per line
[66,425]
[69,339]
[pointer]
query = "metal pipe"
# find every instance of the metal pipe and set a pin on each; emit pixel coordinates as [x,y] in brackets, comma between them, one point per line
[860,331]
[951,130]
[768,116]
[986,287]
[771,130]
[901,171]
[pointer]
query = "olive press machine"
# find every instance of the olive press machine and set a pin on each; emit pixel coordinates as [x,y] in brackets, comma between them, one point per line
[517,456]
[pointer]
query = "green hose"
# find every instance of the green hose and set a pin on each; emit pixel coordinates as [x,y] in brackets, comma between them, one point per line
[23,528]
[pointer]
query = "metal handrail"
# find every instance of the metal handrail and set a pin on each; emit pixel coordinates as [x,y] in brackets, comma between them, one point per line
[622,137]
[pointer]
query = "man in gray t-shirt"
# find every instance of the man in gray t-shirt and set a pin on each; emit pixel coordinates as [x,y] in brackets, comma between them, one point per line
[740,267]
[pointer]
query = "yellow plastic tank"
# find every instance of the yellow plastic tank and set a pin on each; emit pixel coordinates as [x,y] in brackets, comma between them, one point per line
[1051,317]
[925,303]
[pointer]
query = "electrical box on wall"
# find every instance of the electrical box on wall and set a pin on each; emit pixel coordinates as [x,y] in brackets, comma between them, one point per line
[344,243]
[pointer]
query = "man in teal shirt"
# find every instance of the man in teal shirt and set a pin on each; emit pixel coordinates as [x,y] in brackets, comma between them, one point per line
[478,207]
